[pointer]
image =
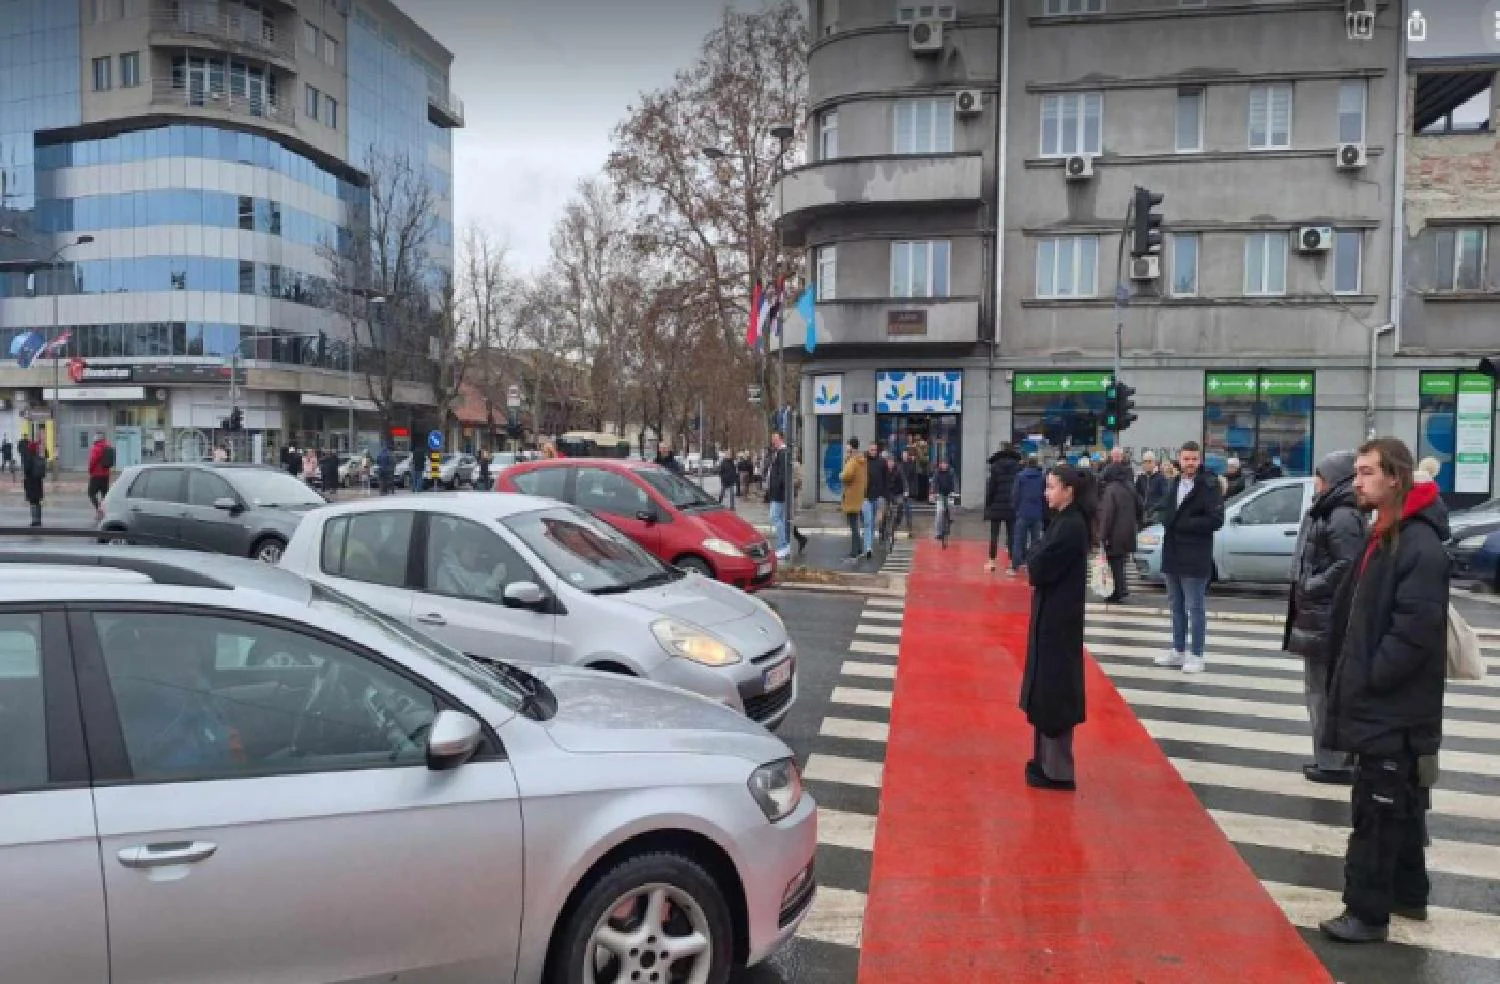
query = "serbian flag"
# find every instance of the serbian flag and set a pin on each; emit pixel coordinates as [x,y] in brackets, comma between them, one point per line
[752,335]
[56,346]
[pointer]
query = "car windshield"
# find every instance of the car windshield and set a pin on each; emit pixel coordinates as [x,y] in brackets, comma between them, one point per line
[586,553]
[677,490]
[263,487]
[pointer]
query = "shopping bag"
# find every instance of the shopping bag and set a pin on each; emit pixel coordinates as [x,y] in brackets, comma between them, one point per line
[1101,578]
[1464,659]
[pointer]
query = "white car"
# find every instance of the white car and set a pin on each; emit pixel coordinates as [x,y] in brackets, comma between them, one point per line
[1258,541]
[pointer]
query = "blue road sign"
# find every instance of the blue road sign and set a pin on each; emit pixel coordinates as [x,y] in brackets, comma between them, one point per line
[435,440]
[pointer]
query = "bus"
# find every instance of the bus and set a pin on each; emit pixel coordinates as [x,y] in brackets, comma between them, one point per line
[588,444]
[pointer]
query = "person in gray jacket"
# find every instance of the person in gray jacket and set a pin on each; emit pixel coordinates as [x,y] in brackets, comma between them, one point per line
[1329,544]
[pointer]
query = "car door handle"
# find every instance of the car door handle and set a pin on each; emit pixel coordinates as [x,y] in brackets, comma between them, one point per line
[160,855]
[432,618]
[1288,532]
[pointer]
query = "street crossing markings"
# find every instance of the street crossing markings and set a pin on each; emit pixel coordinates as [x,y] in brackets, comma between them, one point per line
[881,601]
[861,697]
[1472,934]
[875,648]
[1213,638]
[855,831]
[837,916]
[883,614]
[842,770]
[885,631]
[878,671]
[1127,617]
[876,731]
[1099,608]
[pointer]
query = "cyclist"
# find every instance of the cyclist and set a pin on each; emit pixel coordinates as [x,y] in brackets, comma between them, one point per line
[895,499]
[942,488]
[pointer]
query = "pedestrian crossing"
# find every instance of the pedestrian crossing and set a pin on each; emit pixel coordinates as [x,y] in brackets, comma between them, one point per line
[899,559]
[1239,735]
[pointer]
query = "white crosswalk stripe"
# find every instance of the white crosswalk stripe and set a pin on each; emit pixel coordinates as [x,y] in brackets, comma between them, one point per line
[1239,735]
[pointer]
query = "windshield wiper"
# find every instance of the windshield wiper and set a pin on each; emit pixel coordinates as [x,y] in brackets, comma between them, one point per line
[649,581]
[528,685]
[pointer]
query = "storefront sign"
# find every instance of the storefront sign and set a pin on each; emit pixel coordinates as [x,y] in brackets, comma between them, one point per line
[828,395]
[1439,384]
[150,374]
[906,322]
[1247,385]
[1474,434]
[93,394]
[1286,383]
[919,392]
[1231,384]
[1062,382]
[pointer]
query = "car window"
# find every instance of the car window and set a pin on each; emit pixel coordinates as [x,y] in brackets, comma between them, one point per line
[465,560]
[264,487]
[605,491]
[372,547]
[675,489]
[585,552]
[203,488]
[549,483]
[1277,507]
[23,733]
[159,485]
[208,697]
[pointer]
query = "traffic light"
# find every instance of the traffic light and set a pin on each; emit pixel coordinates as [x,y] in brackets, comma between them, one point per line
[1146,223]
[1119,406]
[236,419]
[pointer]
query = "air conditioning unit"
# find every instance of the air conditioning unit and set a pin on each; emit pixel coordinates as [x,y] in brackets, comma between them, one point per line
[926,37]
[1314,239]
[1079,167]
[1351,156]
[969,102]
[1145,268]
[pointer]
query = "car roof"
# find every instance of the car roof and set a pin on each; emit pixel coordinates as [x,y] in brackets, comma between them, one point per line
[612,464]
[212,465]
[491,505]
[27,566]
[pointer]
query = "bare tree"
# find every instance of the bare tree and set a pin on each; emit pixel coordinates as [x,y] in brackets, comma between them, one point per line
[488,294]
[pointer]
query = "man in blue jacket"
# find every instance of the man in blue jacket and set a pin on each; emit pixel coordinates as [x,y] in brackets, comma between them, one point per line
[1030,498]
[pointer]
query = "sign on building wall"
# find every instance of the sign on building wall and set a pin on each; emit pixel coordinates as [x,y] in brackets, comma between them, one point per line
[919,392]
[1061,382]
[828,395]
[1474,434]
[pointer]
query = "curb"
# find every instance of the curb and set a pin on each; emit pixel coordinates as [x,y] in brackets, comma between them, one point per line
[813,579]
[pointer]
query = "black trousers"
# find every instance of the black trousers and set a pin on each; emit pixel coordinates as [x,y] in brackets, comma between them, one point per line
[856,543]
[1386,864]
[1117,568]
[1009,523]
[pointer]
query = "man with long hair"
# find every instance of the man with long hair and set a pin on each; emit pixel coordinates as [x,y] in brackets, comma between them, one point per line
[1385,690]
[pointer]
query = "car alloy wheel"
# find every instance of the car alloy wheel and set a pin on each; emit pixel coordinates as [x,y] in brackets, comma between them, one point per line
[269,552]
[656,932]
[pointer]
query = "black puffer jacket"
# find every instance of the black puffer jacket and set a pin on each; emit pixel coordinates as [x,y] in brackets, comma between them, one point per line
[1005,465]
[1329,545]
[1390,631]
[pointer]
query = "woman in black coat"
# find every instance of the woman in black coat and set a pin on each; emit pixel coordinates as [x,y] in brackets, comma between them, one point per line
[999,504]
[33,475]
[1052,688]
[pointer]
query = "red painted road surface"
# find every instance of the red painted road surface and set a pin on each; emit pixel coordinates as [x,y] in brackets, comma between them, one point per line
[978,877]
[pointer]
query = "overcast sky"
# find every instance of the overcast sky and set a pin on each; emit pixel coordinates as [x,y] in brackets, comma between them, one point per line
[543,85]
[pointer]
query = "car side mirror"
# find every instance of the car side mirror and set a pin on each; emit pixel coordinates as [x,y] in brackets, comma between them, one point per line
[227,503]
[523,594]
[1237,519]
[452,740]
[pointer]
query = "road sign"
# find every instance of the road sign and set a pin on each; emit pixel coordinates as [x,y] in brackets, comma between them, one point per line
[513,396]
[435,440]
[434,464]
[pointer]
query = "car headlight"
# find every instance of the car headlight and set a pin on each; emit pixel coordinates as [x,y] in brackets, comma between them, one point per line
[722,547]
[777,787]
[689,642]
[1474,542]
[1148,540]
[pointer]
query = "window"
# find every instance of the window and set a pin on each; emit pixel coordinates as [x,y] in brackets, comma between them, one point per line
[1458,258]
[1072,123]
[158,485]
[1278,507]
[314,98]
[1265,264]
[101,74]
[606,492]
[246,213]
[130,69]
[465,560]
[1353,96]
[828,135]
[23,729]
[924,126]
[331,117]
[586,553]
[549,483]
[1190,120]
[1067,266]
[1348,255]
[1184,264]
[310,34]
[908,12]
[206,697]
[205,488]
[1270,117]
[919,269]
[828,272]
[330,50]
[1055,7]
[372,547]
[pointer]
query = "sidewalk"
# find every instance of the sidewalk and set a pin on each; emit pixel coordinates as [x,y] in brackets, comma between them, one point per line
[977,877]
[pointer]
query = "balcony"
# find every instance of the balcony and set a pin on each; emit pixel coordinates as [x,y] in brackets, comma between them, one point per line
[850,182]
[192,98]
[444,108]
[888,321]
[226,28]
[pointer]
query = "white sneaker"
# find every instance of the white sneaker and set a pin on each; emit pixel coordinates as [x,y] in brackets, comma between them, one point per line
[1173,658]
[1194,664]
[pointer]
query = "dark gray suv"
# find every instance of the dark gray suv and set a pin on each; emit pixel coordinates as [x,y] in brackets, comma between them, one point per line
[244,510]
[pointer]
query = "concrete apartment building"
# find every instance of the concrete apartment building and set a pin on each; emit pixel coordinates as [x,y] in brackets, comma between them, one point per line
[1278,142]
[172,175]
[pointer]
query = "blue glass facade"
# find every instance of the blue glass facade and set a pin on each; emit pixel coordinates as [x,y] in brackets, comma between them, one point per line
[39,90]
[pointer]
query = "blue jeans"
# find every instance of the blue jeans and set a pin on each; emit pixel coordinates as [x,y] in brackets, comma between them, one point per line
[1186,595]
[1028,534]
[778,522]
[867,514]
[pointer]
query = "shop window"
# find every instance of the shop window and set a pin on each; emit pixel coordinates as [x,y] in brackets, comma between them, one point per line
[1263,418]
[1062,411]
[1455,421]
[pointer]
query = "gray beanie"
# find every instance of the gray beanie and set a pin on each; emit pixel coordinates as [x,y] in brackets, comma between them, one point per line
[1337,467]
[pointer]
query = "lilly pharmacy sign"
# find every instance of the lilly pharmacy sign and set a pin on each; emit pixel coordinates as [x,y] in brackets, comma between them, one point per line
[919,392]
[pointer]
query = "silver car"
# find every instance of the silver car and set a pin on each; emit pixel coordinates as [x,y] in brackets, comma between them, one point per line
[214,770]
[531,580]
[1258,539]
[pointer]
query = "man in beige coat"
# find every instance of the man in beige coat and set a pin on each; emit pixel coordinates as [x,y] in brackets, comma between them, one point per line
[855,478]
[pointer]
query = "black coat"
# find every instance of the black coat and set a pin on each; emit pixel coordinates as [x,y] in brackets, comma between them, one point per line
[1188,531]
[728,472]
[776,475]
[1329,545]
[875,489]
[998,503]
[1119,512]
[1150,489]
[942,481]
[1052,688]
[1390,630]
[33,473]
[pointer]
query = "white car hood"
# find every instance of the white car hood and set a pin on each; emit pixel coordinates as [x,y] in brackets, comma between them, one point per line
[695,599]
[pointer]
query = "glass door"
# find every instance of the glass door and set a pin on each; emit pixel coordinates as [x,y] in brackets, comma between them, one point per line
[830,458]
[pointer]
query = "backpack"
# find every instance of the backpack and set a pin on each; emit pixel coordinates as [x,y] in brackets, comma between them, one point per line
[107,458]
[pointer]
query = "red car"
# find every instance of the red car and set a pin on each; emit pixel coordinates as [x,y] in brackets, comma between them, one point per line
[671,517]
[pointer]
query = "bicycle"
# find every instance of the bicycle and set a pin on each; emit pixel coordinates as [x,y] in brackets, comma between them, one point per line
[889,520]
[942,522]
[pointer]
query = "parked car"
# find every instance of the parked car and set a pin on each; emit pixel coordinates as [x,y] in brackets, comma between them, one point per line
[1258,541]
[243,510]
[454,471]
[675,520]
[532,580]
[1474,544]
[369,805]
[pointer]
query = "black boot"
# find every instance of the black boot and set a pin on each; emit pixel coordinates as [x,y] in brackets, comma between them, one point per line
[36,514]
[1349,928]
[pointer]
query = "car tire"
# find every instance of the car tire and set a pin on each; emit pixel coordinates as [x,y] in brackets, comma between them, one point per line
[696,565]
[115,537]
[268,550]
[620,906]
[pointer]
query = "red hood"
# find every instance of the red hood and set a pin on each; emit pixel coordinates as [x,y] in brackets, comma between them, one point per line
[729,526]
[1422,495]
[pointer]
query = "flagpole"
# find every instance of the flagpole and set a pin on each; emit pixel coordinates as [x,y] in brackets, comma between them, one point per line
[784,134]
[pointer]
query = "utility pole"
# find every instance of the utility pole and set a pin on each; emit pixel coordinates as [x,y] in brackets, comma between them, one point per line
[783,132]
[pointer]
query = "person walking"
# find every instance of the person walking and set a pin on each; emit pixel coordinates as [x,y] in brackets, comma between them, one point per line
[418,471]
[853,477]
[1385,691]
[895,496]
[33,477]
[729,479]
[1192,513]
[8,457]
[1030,496]
[101,464]
[385,464]
[1235,478]
[1052,687]
[328,466]
[909,482]
[874,496]
[1150,487]
[777,493]
[1119,519]
[999,506]
[1329,543]
[943,487]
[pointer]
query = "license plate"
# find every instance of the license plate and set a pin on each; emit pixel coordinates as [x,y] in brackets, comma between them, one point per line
[761,570]
[778,675]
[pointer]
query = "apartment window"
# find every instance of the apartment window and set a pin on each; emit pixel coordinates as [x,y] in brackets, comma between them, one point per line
[101,75]
[1458,258]
[919,269]
[1348,256]
[314,97]
[828,135]
[1072,123]
[1067,266]
[1265,264]
[1189,120]
[1270,117]
[1185,264]
[908,12]
[924,126]
[331,117]
[310,34]
[1353,95]
[130,69]
[246,213]
[330,50]
[828,272]
[1074,7]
